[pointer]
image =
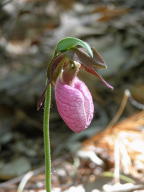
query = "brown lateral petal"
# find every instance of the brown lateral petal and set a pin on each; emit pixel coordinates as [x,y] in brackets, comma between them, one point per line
[53,65]
[52,72]
[92,71]
[42,97]
[56,65]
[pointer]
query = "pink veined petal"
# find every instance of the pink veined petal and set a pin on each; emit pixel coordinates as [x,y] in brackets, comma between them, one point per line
[88,102]
[75,104]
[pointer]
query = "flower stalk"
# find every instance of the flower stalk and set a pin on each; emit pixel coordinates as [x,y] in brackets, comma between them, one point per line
[47,105]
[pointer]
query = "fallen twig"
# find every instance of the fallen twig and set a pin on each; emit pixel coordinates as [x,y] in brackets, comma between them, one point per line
[16,180]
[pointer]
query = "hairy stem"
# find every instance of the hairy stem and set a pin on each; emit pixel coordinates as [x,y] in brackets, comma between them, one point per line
[47,139]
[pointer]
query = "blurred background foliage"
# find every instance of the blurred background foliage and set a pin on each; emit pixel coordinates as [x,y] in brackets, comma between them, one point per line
[29,31]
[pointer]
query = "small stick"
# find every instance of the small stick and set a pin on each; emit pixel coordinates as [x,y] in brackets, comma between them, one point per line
[121,108]
[24,181]
[135,103]
[8,184]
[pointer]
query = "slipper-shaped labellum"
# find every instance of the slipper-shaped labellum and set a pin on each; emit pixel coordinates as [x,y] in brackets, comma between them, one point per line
[74,103]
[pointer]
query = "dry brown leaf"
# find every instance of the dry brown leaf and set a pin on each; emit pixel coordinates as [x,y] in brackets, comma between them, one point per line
[129,133]
[110,12]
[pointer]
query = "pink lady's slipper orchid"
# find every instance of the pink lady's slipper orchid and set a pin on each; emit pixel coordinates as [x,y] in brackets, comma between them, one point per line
[73,99]
[74,103]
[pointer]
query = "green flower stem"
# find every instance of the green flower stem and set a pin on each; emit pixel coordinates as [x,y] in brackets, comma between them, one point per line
[47,139]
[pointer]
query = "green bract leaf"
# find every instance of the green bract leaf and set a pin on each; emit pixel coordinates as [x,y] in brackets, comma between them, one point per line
[71,42]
